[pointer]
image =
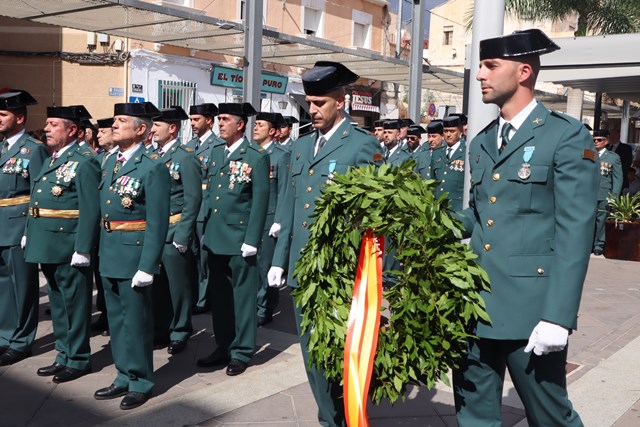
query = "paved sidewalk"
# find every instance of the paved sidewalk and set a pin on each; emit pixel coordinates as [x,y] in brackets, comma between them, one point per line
[604,381]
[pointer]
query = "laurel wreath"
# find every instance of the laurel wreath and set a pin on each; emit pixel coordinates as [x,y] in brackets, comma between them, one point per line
[428,316]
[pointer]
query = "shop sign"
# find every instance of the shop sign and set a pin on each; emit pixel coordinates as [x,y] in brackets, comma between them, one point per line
[230,77]
[363,101]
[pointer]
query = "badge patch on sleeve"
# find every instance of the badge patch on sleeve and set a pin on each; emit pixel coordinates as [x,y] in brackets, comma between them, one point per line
[377,157]
[588,154]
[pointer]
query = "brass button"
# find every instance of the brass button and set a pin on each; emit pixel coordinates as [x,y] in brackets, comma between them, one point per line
[496,176]
[36,203]
[221,173]
[241,222]
[445,172]
[108,202]
[138,242]
[219,185]
[541,270]
[304,224]
[215,211]
[39,190]
[24,213]
[106,216]
[44,178]
[310,171]
[306,205]
[217,197]
[492,199]
[308,189]
[487,247]
[61,228]
[490,223]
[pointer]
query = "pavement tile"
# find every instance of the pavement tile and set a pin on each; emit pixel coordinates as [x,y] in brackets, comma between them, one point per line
[276,409]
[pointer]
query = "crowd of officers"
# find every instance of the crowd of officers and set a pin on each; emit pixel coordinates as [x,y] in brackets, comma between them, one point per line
[214,222]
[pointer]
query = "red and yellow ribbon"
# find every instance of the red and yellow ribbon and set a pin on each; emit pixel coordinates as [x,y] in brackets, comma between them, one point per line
[362,331]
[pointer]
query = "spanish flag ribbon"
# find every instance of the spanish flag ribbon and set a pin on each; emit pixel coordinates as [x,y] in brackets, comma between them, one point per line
[362,330]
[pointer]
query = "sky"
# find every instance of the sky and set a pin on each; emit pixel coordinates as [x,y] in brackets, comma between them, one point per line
[407,7]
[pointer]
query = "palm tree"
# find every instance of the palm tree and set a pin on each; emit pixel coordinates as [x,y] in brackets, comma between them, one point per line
[596,17]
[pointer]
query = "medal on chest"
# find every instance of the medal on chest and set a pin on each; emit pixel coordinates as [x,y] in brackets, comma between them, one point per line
[525,170]
[332,168]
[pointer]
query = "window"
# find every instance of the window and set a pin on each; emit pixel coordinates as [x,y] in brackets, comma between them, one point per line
[447,39]
[178,93]
[361,28]
[312,19]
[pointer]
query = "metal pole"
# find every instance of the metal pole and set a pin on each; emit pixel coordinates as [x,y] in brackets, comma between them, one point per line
[399,29]
[624,122]
[488,22]
[253,55]
[597,111]
[415,64]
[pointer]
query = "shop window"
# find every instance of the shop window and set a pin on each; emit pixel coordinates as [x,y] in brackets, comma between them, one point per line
[178,93]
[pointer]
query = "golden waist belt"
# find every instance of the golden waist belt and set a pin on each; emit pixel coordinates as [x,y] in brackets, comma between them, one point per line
[138,225]
[14,201]
[37,212]
[175,218]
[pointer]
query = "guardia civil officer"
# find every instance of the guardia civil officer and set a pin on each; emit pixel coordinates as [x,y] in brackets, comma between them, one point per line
[21,158]
[264,133]
[286,126]
[107,149]
[463,120]
[434,142]
[236,212]
[202,121]
[610,167]
[447,166]
[172,290]
[414,139]
[394,153]
[334,146]
[378,131]
[62,229]
[531,218]
[134,205]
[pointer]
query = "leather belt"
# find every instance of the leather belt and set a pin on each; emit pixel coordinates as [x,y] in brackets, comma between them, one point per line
[14,201]
[175,218]
[37,212]
[138,225]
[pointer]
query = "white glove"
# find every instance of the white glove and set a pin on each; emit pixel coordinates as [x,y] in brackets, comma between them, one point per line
[181,248]
[274,231]
[274,277]
[141,279]
[546,338]
[23,242]
[248,250]
[80,260]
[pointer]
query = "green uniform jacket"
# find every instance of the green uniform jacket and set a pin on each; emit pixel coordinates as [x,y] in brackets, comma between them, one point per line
[610,168]
[203,154]
[123,253]
[18,169]
[423,161]
[186,192]
[449,172]
[398,157]
[348,147]
[532,235]
[279,159]
[236,199]
[68,182]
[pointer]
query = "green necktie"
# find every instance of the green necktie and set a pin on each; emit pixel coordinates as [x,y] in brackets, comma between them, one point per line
[5,147]
[321,143]
[505,136]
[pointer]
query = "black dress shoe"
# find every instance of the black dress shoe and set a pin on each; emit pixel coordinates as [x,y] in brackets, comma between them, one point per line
[195,310]
[176,347]
[236,367]
[50,370]
[110,392]
[12,356]
[263,320]
[133,399]
[217,358]
[3,349]
[70,374]
[597,251]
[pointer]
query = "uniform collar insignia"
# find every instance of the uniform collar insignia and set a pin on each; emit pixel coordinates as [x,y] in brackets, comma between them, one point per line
[537,120]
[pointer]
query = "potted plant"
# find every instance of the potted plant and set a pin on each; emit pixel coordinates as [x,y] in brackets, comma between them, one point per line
[623,228]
